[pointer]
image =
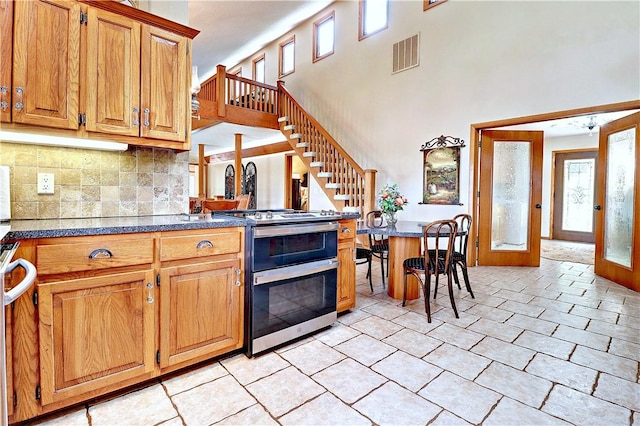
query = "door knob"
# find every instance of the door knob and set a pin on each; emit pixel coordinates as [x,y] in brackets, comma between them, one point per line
[538,206]
[597,207]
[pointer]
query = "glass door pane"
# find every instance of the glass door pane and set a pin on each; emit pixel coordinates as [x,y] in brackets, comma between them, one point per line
[578,195]
[619,195]
[511,195]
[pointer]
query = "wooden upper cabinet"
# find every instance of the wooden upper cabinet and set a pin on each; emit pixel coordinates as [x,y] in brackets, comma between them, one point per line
[6,55]
[46,46]
[164,85]
[113,74]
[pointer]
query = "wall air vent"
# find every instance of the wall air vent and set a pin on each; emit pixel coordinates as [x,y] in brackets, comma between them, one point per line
[406,54]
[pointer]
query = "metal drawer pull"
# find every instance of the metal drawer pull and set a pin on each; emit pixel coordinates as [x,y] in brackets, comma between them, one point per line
[238,283]
[345,230]
[204,244]
[101,254]
[146,117]
[136,116]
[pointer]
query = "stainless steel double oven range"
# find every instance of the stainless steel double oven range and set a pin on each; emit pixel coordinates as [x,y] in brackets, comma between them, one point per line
[291,275]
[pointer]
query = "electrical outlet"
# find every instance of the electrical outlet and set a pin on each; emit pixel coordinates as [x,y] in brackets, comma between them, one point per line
[45,183]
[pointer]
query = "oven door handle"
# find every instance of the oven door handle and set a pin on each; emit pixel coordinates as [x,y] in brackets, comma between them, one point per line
[295,271]
[280,230]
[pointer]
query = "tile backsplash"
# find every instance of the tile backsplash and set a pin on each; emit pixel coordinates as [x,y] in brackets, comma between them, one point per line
[88,183]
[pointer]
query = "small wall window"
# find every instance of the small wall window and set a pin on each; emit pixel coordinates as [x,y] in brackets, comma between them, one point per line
[258,69]
[373,17]
[428,4]
[324,36]
[287,56]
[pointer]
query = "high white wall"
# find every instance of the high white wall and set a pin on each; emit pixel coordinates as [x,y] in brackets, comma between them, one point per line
[479,61]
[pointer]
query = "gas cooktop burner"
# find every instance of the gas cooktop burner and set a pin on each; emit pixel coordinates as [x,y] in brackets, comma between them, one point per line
[259,217]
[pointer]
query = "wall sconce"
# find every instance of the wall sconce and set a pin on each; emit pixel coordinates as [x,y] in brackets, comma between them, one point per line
[195,88]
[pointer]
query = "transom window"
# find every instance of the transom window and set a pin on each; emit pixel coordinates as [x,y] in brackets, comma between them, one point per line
[258,69]
[374,17]
[287,56]
[324,36]
[428,4]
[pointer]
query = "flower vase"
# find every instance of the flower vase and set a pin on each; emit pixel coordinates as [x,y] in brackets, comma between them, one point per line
[391,219]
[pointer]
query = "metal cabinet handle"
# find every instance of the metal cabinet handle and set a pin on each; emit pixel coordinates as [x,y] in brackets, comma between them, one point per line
[146,117]
[3,102]
[204,244]
[238,283]
[345,230]
[136,116]
[598,207]
[354,257]
[149,293]
[19,105]
[100,253]
[538,206]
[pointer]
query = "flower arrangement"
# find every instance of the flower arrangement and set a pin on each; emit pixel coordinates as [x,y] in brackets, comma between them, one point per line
[391,200]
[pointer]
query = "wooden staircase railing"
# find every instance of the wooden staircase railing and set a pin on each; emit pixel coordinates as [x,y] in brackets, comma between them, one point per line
[349,186]
[228,98]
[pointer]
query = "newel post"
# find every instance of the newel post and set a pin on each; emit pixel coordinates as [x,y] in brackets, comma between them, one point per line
[221,94]
[369,191]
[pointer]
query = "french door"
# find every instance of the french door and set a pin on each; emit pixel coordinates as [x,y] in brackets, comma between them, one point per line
[510,198]
[617,255]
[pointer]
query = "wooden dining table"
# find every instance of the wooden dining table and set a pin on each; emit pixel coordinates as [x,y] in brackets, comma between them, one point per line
[405,241]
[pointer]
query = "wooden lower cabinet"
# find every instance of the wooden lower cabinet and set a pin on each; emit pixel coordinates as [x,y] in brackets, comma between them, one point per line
[95,332]
[201,311]
[347,268]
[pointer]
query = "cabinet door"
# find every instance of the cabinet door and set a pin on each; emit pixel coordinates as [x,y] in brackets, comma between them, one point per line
[95,332]
[201,311]
[46,63]
[346,275]
[113,74]
[164,85]
[6,58]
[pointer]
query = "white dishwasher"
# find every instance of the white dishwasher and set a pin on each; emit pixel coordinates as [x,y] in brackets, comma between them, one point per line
[7,251]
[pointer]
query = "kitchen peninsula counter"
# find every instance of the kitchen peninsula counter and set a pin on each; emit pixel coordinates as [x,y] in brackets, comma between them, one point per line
[51,228]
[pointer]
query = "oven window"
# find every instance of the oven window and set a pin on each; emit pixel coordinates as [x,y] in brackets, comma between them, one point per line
[278,251]
[283,304]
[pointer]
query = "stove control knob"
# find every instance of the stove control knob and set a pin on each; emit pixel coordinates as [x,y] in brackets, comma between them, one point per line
[323,212]
[258,215]
[269,215]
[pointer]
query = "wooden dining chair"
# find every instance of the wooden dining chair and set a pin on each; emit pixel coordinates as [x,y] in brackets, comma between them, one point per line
[211,205]
[459,255]
[378,244]
[243,201]
[437,238]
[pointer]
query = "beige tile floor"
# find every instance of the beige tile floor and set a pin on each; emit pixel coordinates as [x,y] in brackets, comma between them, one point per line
[547,345]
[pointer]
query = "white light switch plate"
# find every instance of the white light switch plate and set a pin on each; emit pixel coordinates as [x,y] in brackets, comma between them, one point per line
[45,183]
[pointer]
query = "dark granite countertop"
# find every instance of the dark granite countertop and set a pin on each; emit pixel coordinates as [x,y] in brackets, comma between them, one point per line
[48,228]
[51,228]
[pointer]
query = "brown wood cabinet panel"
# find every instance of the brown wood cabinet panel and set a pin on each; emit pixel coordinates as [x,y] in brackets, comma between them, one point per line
[347,269]
[224,241]
[201,311]
[73,255]
[46,63]
[6,58]
[95,332]
[113,74]
[164,61]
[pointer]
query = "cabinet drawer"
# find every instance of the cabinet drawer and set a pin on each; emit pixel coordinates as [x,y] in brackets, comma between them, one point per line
[200,245]
[88,255]
[347,230]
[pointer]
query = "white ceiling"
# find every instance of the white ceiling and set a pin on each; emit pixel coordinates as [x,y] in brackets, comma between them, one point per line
[233,30]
